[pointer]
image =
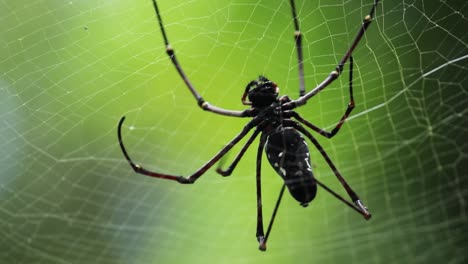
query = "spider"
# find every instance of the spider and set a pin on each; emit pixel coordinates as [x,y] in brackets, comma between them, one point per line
[280,128]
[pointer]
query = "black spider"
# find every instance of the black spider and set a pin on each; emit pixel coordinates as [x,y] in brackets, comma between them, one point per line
[281,135]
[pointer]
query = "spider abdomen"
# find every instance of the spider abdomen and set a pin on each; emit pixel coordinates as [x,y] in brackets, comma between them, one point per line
[288,153]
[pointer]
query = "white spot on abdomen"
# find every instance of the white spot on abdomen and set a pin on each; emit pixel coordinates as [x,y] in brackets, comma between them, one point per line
[283,171]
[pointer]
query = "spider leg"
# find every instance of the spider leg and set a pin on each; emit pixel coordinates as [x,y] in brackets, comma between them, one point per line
[192,178]
[273,216]
[339,68]
[261,238]
[260,234]
[201,102]
[298,41]
[358,205]
[230,169]
[350,108]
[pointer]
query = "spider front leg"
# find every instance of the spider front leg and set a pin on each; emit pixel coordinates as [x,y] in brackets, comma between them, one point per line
[298,42]
[350,108]
[192,178]
[200,101]
[339,68]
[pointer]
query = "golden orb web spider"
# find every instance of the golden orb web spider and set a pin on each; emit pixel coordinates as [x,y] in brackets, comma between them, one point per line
[281,131]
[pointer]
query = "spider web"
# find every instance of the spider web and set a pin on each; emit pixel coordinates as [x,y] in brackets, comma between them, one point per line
[71,69]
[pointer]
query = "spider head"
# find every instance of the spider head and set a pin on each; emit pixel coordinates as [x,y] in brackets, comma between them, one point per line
[261,93]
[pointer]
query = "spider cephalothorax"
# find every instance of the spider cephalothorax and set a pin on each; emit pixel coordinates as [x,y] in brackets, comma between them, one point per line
[261,92]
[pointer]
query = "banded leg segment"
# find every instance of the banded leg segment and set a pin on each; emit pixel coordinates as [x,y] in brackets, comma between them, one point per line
[350,108]
[298,42]
[201,102]
[339,68]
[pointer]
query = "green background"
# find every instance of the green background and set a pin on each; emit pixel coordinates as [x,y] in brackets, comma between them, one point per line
[70,70]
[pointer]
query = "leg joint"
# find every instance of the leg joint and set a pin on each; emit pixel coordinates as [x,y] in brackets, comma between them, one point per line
[297,34]
[202,103]
[339,68]
[184,180]
[367,19]
[169,50]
